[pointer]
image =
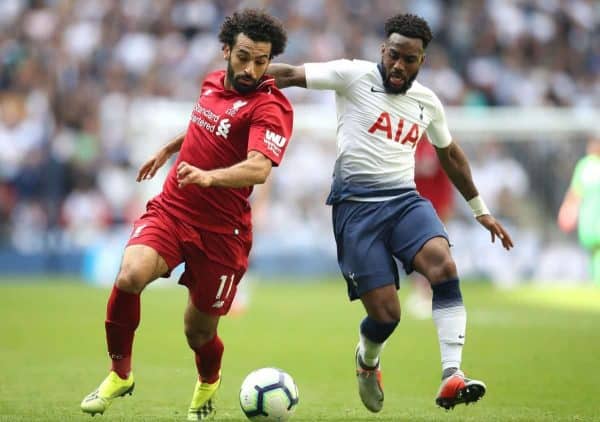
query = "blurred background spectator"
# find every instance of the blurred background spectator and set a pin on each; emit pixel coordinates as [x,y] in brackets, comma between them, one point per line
[83,85]
[581,206]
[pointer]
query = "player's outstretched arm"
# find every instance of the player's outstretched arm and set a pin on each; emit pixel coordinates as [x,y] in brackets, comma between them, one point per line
[252,171]
[150,167]
[455,164]
[569,211]
[287,75]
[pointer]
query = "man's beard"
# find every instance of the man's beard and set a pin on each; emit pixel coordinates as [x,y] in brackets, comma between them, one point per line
[239,87]
[391,89]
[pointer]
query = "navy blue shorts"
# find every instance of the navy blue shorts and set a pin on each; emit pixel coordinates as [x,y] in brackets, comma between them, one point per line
[370,234]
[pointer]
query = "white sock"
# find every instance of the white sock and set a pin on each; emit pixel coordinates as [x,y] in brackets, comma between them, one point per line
[451,325]
[369,351]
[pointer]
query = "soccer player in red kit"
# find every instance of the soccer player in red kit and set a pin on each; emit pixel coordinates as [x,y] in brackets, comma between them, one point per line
[239,128]
[432,181]
[433,184]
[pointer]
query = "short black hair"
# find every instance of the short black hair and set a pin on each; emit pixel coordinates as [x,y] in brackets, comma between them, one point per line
[409,25]
[257,25]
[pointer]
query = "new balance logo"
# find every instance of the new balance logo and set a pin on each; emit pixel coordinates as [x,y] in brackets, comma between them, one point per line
[218,304]
[239,103]
[223,129]
[138,230]
[421,107]
[235,107]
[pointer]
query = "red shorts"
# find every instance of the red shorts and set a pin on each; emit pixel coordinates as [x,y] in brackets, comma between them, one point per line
[214,262]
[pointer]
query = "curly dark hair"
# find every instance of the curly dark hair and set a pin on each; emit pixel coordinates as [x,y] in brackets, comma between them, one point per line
[257,25]
[411,26]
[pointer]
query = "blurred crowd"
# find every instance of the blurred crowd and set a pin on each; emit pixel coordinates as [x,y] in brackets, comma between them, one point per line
[72,68]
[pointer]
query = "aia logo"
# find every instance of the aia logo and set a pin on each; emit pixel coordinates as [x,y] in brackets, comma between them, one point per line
[384,124]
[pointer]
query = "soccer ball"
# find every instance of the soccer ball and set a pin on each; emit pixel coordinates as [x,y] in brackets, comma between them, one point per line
[268,394]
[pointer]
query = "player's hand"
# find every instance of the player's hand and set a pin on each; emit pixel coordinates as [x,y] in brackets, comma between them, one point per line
[496,230]
[188,174]
[150,167]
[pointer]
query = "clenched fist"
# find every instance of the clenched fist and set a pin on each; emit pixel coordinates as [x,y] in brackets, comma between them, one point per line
[188,174]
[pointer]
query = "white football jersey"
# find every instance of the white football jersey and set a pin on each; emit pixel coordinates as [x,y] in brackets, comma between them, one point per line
[377,132]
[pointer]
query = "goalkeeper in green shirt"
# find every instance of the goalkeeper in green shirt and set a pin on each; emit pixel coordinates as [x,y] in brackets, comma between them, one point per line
[581,206]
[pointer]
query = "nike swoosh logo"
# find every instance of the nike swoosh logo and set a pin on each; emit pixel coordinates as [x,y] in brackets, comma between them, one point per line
[379,91]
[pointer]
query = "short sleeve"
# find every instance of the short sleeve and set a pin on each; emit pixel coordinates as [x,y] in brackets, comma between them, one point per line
[335,75]
[271,129]
[437,131]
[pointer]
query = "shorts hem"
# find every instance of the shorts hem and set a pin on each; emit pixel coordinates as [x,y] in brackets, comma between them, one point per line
[408,266]
[372,282]
[171,263]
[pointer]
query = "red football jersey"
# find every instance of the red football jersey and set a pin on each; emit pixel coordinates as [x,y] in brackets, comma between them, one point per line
[225,125]
[431,180]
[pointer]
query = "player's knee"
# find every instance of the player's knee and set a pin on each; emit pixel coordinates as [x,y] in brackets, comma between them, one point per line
[391,314]
[130,281]
[385,312]
[198,336]
[444,270]
[382,304]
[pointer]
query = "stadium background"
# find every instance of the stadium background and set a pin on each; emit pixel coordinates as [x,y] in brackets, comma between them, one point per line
[90,89]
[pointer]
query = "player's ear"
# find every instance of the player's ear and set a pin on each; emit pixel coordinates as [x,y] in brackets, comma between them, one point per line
[422,59]
[226,51]
[382,49]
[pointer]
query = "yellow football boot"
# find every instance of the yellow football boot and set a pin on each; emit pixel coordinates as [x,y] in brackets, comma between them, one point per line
[202,406]
[112,387]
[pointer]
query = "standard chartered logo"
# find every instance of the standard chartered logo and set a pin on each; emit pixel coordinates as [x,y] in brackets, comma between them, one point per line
[223,129]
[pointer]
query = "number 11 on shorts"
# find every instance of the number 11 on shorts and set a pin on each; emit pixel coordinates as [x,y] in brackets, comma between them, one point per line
[224,279]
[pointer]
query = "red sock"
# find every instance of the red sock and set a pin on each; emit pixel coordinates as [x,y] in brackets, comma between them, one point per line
[122,318]
[208,360]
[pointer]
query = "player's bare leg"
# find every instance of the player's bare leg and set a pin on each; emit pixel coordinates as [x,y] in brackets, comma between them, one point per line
[139,267]
[436,264]
[201,334]
[383,315]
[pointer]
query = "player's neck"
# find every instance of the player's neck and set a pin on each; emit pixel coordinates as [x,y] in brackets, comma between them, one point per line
[227,84]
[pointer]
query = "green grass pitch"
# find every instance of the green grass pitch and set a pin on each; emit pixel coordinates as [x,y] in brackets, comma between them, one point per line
[537,348]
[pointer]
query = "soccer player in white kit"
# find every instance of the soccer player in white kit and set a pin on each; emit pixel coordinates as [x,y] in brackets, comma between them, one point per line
[382,112]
